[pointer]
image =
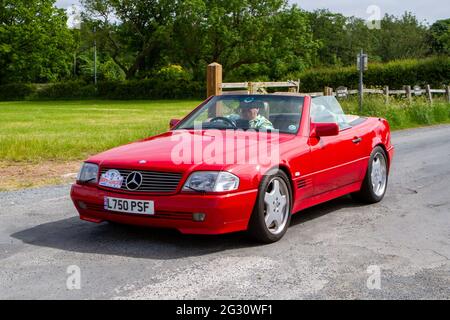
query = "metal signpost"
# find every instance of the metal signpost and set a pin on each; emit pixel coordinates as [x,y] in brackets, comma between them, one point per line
[362,65]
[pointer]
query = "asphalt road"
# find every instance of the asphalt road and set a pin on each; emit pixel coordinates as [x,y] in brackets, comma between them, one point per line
[326,253]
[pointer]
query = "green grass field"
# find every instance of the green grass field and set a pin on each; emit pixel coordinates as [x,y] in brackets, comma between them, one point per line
[401,114]
[73,130]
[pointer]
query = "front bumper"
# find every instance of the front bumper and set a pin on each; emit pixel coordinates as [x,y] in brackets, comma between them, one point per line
[224,213]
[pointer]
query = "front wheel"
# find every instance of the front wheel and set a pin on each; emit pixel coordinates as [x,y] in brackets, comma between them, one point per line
[272,213]
[375,182]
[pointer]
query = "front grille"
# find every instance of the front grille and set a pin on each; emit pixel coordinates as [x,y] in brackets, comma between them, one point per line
[153,181]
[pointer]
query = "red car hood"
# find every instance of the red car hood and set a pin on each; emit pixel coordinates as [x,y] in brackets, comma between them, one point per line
[157,151]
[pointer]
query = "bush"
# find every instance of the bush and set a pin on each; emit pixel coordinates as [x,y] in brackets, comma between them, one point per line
[16,91]
[434,71]
[65,90]
[122,90]
[151,89]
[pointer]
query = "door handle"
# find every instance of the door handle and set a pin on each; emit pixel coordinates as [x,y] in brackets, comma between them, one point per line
[357,140]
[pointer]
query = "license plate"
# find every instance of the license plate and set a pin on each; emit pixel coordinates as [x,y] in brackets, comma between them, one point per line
[129,206]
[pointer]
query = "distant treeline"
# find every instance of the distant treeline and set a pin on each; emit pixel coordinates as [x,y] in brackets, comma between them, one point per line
[175,40]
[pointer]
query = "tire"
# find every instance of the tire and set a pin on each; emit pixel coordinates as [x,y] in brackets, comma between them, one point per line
[375,182]
[274,194]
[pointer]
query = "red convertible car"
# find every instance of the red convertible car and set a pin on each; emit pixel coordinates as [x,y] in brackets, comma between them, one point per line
[239,162]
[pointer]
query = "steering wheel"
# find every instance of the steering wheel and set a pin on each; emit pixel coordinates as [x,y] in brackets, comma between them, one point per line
[224,119]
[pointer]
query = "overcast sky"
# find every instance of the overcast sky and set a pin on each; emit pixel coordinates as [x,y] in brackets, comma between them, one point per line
[429,10]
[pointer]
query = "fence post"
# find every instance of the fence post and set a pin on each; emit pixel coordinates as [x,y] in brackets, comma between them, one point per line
[251,88]
[408,93]
[429,96]
[447,92]
[214,79]
[327,91]
[386,94]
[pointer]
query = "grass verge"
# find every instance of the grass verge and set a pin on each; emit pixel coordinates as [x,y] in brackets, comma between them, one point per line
[400,113]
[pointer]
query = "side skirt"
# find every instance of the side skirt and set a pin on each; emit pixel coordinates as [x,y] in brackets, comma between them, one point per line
[327,196]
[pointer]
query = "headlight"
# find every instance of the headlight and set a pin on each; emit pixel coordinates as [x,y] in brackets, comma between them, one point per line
[211,181]
[88,173]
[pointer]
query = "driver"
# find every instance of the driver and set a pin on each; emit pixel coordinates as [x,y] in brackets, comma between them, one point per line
[249,111]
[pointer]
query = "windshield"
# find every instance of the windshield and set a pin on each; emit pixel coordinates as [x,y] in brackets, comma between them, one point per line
[257,112]
[328,109]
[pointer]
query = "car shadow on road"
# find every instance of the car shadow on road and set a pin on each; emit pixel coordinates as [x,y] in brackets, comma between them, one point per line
[323,209]
[73,234]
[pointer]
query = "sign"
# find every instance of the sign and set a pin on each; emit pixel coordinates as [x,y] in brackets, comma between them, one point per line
[417,91]
[341,92]
[365,61]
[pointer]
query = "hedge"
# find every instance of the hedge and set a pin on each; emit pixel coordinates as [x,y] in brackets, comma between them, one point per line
[123,90]
[395,74]
[16,91]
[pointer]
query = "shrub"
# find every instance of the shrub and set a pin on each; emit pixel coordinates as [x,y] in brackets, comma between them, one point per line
[121,90]
[151,89]
[434,71]
[65,90]
[16,91]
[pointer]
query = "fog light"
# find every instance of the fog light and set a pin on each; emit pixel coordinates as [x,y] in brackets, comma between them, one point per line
[82,205]
[199,217]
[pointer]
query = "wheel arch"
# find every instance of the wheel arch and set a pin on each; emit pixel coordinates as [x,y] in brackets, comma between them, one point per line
[283,167]
[382,146]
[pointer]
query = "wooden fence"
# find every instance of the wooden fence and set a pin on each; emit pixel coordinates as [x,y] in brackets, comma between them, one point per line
[215,86]
[408,92]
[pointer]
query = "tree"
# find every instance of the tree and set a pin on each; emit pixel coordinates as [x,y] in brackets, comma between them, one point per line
[252,39]
[329,30]
[439,37]
[133,32]
[35,43]
[401,38]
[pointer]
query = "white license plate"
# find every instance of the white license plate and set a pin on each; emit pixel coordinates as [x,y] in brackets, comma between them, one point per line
[129,206]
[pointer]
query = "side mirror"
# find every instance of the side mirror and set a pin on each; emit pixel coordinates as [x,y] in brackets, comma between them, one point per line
[324,129]
[173,122]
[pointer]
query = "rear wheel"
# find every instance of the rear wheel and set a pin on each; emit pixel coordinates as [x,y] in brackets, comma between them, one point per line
[375,182]
[272,213]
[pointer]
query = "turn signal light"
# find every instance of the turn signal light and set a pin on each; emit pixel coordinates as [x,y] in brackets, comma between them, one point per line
[199,217]
[82,205]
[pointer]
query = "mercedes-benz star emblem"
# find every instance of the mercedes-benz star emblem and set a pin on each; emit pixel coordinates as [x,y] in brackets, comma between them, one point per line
[134,180]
